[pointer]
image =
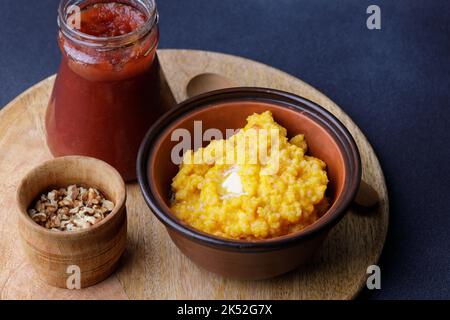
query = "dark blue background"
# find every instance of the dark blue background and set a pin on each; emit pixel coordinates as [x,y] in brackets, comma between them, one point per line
[393,82]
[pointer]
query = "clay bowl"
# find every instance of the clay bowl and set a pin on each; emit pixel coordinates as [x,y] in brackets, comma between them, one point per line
[225,109]
[96,251]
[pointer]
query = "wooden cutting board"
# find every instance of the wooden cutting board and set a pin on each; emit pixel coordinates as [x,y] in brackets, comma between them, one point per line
[152,267]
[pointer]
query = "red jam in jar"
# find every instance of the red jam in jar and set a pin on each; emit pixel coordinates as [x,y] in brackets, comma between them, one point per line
[110,19]
[110,87]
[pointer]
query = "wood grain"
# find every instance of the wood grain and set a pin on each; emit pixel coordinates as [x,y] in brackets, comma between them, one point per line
[97,250]
[152,267]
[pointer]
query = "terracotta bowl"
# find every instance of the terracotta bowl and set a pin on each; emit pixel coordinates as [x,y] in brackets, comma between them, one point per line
[96,251]
[225,109]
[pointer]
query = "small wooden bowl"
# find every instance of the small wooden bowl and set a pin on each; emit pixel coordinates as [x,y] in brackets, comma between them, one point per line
[96,251]
[327,139]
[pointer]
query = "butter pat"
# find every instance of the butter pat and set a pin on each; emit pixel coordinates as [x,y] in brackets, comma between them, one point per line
[232,183]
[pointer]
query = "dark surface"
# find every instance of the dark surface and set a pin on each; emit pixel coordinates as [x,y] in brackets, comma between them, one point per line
[393,82]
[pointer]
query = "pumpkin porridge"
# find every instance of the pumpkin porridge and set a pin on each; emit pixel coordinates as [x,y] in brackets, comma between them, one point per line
[244,190]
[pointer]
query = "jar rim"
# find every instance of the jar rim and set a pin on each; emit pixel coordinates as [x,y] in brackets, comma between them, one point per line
[148,7]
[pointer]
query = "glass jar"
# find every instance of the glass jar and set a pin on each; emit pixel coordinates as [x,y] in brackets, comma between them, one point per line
[109,89]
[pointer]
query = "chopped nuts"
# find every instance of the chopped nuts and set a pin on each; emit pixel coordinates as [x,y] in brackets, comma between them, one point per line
[71,209]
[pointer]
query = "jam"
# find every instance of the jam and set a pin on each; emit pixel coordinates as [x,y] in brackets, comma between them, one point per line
[109,90]
[110,19]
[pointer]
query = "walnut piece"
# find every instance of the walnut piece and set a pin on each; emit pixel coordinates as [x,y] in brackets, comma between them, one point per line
[71,209]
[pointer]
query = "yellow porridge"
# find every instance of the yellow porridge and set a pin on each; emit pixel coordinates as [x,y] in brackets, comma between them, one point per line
[256,184]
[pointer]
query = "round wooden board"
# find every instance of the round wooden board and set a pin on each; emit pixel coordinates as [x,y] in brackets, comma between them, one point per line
[152,267]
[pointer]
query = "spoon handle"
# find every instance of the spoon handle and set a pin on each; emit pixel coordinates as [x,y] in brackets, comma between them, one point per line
[367,196]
